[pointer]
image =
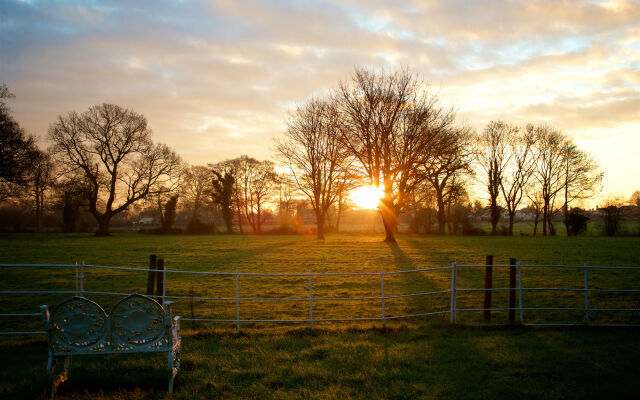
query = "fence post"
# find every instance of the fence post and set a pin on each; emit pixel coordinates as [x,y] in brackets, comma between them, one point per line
[82,278]
[310,301]
[488,284]
[452,312]
[151,277]
[512,292]
[586,294]
[164,285]
[77,283]
[160,279]
[520,292]
[193,323]
[237,304]
[384,319]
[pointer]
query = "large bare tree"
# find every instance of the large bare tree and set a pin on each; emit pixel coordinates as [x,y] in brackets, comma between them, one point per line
[581,178]
[41,178]
[389,122]
[317,161]
[255,182]
[493,157]
[196,189]
[519,170]
[549,177]
[111,146]
[450,157]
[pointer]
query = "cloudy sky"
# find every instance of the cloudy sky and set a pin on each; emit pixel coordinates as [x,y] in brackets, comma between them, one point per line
[216,79]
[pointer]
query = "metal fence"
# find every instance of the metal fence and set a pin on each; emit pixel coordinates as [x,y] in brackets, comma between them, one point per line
[451,307]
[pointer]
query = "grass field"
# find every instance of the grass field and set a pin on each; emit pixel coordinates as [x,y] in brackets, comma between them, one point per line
[424,358]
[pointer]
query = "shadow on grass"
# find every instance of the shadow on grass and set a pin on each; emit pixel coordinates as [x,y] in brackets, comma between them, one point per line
[423,361]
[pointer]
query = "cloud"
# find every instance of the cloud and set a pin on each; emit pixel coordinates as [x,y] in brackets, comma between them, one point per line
[216,79]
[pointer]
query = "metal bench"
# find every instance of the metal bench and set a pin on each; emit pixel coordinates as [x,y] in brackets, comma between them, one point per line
[136,324]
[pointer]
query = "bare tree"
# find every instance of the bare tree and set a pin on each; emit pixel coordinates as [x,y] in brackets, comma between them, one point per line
[112,148]
[519,170]
[611,212]
[536,203]
[286,203]
[493,158]
[450,158]
[581,176]
[317,161]
[455,198]
[255,182]
[549,148]
[634,200]
[390,121]
[41,177]
[347,182]
[195,189]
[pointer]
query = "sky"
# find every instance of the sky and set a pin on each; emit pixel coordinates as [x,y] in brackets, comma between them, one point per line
[217,79]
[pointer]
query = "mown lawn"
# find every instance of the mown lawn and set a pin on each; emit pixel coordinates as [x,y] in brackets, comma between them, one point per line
[416,358]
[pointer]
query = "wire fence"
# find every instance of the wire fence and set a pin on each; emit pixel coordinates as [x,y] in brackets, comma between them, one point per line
[451,290]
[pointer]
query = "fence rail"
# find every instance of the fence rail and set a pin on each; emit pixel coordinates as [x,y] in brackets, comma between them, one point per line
[451,307]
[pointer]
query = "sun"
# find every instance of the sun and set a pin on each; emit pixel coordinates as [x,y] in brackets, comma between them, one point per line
[367,197]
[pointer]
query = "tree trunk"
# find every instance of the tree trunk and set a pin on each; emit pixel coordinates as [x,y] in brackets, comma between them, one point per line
[320,223]
[495,216]
[240,221]
[389,219]
[442,220]
[229,222]
[388,231]
[512,217]
[39,207]
[545,217]
[103,225]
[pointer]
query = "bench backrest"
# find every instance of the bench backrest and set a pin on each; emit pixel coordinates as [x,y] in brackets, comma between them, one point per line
[136,323]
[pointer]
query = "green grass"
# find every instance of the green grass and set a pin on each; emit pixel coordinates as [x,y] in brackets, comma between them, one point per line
[420,358]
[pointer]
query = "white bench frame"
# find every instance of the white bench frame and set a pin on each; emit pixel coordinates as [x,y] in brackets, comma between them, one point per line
[136,324]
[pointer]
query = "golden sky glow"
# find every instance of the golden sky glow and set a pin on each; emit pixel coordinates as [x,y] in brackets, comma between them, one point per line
[216,79]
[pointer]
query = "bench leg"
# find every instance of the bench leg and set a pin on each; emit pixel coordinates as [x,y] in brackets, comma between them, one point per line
[170,368]
[173,364]
[57,379]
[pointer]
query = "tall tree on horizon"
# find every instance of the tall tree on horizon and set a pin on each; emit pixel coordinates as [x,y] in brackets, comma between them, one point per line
[112,148]
[389,122]
[317,161]
[222,194]
[493,157]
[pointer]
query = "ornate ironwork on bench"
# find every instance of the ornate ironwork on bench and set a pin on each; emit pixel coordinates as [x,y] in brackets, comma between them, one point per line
[136,324]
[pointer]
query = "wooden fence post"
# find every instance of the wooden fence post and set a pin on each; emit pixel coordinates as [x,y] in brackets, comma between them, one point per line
[488,284]
[512,292]
[160,280]
[151,277]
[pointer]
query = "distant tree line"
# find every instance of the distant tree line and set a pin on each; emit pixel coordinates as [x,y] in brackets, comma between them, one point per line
[388,130]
